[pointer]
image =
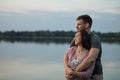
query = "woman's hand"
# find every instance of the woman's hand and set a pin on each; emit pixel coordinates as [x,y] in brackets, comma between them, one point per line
[69,71]
[70,74]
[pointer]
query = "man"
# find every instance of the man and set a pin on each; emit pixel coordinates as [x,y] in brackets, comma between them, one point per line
[85,22]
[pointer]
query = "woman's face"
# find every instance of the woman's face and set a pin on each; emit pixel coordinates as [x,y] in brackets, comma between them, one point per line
[77,38]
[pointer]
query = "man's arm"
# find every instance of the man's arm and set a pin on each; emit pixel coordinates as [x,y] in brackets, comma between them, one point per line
[88,61]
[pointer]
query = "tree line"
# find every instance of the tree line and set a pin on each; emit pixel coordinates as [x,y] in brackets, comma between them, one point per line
[47,33]
[37,34]
[52,36]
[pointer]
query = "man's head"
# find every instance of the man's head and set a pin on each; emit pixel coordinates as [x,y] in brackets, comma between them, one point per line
[83,22]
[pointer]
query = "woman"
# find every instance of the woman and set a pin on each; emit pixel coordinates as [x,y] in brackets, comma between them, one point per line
[75,55]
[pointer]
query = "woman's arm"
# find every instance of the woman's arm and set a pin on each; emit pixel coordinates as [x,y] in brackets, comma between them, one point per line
[66,61]
[67,68]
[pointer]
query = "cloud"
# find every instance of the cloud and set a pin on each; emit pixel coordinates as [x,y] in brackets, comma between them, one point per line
[114,10]
[26,5]
[25,14]
[22,6]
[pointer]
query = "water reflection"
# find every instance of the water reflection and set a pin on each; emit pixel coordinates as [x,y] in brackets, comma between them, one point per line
[45,40]
[56,40]
[20,70]
[33,61]
[111,61]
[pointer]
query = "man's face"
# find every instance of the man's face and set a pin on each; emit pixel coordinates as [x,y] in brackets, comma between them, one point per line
[80,25]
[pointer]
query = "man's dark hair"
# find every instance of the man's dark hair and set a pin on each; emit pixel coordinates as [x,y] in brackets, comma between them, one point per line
[86,19]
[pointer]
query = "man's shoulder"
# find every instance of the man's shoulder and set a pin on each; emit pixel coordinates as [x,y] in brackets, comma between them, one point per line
[94,36]
[95,40]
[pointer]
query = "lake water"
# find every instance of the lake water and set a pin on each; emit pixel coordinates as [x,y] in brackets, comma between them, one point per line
[44,61]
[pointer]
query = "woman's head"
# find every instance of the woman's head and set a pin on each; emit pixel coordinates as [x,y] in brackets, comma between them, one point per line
[82,38]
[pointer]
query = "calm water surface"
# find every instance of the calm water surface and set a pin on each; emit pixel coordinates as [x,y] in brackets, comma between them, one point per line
[43,61]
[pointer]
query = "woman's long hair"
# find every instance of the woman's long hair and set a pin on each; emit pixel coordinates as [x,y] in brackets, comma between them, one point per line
[85,39]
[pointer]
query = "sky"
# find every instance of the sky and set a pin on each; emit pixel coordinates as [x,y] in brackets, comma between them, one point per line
[34,15]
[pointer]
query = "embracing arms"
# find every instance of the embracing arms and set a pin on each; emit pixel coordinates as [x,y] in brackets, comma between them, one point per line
[88,65]
[89,60]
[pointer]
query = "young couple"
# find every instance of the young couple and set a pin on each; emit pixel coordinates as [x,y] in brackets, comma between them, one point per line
[82,60]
